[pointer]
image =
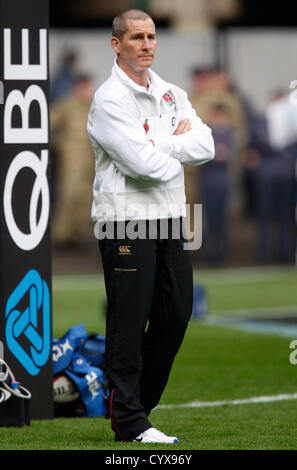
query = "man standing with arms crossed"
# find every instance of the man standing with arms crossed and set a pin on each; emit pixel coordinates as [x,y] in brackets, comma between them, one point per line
[142,130]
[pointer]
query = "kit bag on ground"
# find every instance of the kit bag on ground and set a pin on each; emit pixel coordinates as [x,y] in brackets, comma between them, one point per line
[79,383]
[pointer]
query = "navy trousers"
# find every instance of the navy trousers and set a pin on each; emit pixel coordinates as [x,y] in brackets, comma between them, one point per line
[149,289]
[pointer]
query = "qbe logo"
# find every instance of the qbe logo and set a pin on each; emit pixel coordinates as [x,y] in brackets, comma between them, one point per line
[27,134]
[22,322]
[27,159]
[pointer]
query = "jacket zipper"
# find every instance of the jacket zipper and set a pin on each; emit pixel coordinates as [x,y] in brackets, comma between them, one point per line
[115,198]
[168,198]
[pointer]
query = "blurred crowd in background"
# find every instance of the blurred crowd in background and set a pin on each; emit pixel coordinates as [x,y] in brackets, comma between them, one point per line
[248,191]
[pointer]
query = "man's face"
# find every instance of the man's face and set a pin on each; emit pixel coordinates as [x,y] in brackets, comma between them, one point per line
[137,48]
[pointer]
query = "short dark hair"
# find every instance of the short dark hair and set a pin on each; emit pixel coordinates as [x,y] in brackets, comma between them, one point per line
[119,24]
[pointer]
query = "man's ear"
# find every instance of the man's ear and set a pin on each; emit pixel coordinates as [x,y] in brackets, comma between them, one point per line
[115,44]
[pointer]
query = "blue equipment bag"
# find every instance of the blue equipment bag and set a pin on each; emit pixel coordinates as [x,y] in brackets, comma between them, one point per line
[199,303]
[94,349]
[90,382]
[78,356]
[64,348]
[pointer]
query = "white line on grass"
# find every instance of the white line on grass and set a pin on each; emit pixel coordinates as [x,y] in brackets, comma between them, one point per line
[266,327]
[263,311]
[245,401]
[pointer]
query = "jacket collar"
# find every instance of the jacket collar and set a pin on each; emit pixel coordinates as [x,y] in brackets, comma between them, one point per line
[158,87]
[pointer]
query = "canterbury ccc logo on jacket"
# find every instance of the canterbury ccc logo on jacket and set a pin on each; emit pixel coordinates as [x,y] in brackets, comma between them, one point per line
[134,178]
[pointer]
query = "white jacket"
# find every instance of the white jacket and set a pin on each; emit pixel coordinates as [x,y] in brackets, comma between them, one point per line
[135,179]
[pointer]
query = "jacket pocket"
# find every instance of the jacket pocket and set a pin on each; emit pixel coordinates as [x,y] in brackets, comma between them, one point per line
[111,182]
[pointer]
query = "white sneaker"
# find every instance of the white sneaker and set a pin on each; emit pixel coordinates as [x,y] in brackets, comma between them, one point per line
[153,436]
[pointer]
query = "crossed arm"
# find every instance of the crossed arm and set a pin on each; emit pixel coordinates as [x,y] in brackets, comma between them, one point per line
[121,135]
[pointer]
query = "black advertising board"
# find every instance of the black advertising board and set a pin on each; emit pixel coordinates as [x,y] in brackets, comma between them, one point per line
[25,258]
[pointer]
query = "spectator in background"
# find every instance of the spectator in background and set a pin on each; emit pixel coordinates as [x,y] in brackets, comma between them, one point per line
[216,100]
[200,85]
[74,175]
[64,79]
[60,86]
[212,86]
[215,182]
[273,173]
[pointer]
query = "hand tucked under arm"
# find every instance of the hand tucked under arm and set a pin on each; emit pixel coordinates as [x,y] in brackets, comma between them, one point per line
[191,142]
[183,127]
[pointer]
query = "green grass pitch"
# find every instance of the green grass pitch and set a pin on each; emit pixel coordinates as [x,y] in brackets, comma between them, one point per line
[214,364]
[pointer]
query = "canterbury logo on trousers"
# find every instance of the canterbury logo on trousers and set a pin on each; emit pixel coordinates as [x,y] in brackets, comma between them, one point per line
[125,250]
